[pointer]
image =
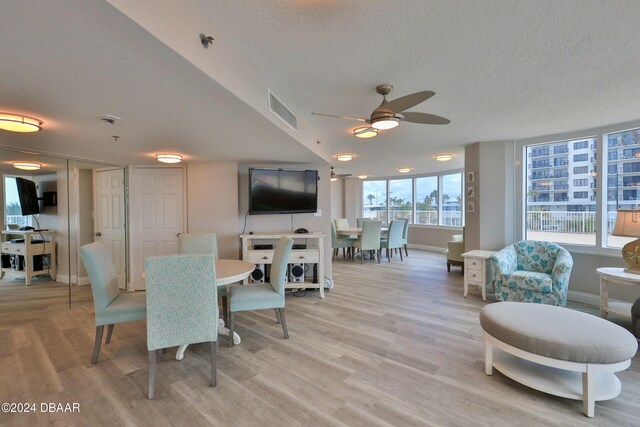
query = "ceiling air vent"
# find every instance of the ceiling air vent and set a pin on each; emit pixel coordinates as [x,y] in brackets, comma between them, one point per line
[282,112]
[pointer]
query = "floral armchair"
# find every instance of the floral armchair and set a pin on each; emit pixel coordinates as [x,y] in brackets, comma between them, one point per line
[532,271]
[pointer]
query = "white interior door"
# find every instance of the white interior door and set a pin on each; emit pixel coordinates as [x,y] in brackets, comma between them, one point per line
[157,215]
[110,216]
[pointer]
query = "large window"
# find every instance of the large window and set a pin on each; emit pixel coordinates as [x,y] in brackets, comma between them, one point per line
[427,200]
[565,210]
[401,199]
[12,211]
[374,200]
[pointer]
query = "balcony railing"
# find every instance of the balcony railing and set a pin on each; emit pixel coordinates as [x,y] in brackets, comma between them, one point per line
[17,219]
[449,218]
[567,222]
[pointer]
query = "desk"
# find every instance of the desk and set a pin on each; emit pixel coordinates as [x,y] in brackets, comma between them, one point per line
[618,276]
[28,250]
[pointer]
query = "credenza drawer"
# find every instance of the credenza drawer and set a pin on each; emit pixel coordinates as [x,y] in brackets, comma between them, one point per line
[474,264]
[13,248]
[304,256]
[260,256]
[475,277]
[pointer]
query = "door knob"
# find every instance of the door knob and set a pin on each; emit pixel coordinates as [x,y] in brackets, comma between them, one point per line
[98,234]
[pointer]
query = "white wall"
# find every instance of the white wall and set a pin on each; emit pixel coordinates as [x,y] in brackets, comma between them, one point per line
[337,198]
[212,204]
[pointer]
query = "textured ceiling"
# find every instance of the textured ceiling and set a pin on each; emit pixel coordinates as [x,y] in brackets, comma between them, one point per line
[501,70]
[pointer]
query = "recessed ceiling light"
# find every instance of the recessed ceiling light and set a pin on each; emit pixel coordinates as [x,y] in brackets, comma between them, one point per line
[365,132]
[344,157]
[404,170]
[443,157]
[25,166]
[169,158]
[385,123]
[363,176]
[19,123]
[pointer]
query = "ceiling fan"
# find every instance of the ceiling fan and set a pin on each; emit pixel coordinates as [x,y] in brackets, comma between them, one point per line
[335,176]
[390,113]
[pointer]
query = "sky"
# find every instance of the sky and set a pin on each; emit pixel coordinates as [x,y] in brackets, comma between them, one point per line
[401,188]
[11,191]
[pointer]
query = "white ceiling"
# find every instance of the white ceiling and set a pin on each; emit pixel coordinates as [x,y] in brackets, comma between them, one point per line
[501,70]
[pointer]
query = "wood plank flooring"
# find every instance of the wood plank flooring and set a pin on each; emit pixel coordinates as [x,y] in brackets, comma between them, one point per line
[392,344]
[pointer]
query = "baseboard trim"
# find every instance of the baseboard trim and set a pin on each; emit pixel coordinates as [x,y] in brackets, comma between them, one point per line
[64,278]
[426,248]
[584,298]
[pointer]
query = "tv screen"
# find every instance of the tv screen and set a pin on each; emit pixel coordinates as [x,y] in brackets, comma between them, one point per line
[28,196]
[282,191]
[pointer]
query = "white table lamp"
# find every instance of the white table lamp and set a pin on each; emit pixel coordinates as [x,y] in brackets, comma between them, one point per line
[628,225]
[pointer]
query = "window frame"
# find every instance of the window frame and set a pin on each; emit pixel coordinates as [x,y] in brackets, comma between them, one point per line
[599,135]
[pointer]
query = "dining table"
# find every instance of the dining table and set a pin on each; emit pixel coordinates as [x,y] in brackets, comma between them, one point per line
[228,271]
[357,231]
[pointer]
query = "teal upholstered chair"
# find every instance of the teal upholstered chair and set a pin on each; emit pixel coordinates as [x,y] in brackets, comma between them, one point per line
[340,242]
[267,296]
[370,239]
[110,305]
[204,243]
[405,237]
[533,271]
[182,306]
[394,238]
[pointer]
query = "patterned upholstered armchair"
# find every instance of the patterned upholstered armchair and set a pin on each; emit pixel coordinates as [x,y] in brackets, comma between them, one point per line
[533,271]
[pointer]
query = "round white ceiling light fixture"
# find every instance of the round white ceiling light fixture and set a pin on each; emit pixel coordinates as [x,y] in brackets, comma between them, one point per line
[169,158]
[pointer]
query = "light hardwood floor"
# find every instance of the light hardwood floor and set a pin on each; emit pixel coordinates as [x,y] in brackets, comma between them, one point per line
[392,344]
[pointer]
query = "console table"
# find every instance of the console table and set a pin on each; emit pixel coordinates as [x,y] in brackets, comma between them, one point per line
[618,276]
[313,254]
[28,249]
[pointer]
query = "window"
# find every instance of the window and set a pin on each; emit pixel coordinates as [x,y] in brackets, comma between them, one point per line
[12,210]
[581,169]
[401,199]
[551,214]
[580,144]
[374,200]
[427,200]
[452,200]
[623,189]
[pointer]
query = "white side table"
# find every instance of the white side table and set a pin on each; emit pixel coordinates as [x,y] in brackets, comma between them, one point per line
[618,276]
[478,271]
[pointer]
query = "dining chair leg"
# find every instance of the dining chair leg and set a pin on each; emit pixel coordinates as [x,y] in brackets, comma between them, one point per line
[388,258]
[225,308]
[344,252]
[284,323]
[362,257]
[278,316]
[401,259]
[109,332]
[231,319]
[213,348]
[333,255]
[406,252]
[379,251]
[152,373]
[96,345]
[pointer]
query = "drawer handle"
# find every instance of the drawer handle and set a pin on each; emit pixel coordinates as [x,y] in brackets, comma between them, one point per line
[473,275]
[300,257]
[473,263]
[265,257]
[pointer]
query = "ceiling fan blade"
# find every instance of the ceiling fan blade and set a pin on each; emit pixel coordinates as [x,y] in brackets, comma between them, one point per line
[400,104]
[359,119]
[424,118]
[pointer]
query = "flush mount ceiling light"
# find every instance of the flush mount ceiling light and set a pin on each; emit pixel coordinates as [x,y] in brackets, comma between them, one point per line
[365,132]
[385,123]
[404,170]
[344,157]
[363,176]
[25,166]
[169,158]
[19,123]
[443,157]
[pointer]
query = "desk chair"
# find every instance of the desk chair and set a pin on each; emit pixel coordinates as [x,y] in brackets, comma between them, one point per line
[262,297]
[182,306]
[110,305]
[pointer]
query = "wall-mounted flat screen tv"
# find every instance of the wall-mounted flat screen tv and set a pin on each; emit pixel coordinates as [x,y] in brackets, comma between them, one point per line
[28,195]
[282,191]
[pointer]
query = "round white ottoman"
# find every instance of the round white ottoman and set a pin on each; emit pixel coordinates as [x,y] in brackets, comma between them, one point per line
[557,350]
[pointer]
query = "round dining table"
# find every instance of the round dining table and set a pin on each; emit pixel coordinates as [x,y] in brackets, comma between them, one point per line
[228,271]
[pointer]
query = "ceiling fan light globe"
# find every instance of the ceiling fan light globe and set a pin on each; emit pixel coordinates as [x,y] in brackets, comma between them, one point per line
[385,123]
[365,132]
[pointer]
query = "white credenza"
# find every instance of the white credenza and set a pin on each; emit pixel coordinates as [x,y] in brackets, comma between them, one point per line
[312,255]
[28,249]
[478,270]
